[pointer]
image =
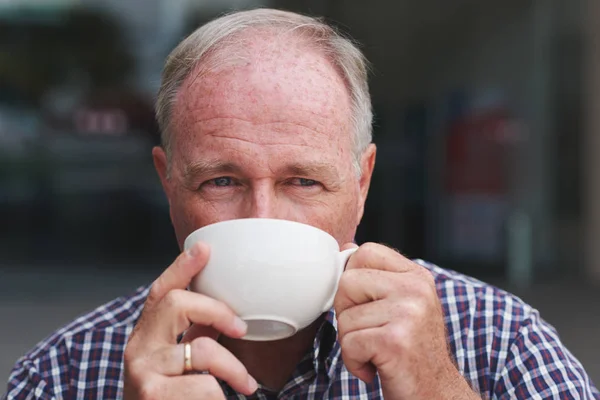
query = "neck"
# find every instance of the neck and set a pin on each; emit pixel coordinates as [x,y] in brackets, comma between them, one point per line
[273,363]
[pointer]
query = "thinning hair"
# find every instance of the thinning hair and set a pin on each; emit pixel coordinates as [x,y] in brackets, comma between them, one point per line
[206,49]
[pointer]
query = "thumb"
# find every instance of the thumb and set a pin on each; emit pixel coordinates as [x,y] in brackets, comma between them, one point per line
[179,274]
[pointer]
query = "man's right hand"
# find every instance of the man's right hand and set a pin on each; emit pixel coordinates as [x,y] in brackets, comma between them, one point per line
[154,361]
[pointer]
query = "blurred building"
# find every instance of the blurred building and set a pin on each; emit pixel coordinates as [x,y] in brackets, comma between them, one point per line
[480,111]
[483,119]
[590,144]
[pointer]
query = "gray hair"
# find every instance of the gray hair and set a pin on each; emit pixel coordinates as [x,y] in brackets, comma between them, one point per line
[217,34]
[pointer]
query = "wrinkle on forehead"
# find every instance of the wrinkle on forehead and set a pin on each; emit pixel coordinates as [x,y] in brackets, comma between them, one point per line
[272,133]
[267,143]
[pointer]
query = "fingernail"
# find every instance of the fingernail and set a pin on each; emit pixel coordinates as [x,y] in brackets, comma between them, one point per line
[194,250]
[252,384]
[239,324]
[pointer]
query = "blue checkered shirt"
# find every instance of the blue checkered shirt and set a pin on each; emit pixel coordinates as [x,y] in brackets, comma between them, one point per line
[502,347]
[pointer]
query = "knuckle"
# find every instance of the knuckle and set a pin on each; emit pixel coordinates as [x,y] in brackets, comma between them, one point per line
[204,346]
[347,344]
[155,290]
[351,343]
[366,251]
[174,304]
[342,284]
[424,289]
[349,278]
[172,299]
[395,337]
[425,274]
[345,340]
[338,302]
[414,310]
[370,247]
[346,284]
[341,326]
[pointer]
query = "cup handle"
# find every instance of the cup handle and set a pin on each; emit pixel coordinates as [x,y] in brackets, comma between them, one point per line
[343,257]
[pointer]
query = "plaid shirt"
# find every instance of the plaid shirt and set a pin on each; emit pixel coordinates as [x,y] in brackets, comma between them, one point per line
[500,344]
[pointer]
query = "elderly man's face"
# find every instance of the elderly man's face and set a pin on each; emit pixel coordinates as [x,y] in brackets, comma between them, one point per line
[267,138]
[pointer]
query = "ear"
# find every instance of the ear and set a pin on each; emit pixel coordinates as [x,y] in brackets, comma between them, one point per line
[161,165]
[367,164]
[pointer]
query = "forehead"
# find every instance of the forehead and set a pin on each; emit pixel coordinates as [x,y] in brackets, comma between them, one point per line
[264,80]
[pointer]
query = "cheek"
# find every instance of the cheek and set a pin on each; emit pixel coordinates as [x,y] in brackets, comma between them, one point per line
[187,215]
[337,217]
[347,221]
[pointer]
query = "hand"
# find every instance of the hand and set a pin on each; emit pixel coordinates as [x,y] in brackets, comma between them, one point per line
[390,321]
[154,361]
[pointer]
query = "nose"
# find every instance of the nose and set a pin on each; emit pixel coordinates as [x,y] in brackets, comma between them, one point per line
[262,202]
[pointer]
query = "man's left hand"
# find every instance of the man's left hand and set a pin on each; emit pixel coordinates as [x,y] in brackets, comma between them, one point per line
[390,322]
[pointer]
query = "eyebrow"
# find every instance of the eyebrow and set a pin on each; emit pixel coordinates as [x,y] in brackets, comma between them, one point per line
[209,167]
[318,170]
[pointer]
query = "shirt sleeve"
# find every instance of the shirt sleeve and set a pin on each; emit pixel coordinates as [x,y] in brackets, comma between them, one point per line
[25,382]
[538,366]
[41,374]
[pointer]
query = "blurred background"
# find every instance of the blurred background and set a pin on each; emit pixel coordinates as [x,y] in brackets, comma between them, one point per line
[486,120]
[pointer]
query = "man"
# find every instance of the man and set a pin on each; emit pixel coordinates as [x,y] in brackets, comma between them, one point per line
[267,114]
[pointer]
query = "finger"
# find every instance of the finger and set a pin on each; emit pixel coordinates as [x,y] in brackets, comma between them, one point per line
[358,351]
[364,316]
[196,331]
[360,286]
[377,256]
[182,387]
[179,309]
[199,386]
[179,274]
[363,286]
[210,357]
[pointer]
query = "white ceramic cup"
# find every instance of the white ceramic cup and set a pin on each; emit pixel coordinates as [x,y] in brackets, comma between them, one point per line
[279,276]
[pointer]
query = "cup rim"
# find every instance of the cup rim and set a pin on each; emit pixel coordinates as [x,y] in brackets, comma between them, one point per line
[191,237]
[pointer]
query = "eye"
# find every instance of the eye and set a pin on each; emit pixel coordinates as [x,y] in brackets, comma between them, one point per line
[220,182]
[304,182]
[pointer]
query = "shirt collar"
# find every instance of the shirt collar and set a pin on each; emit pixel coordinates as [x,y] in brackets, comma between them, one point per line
[325,354]
[331,318]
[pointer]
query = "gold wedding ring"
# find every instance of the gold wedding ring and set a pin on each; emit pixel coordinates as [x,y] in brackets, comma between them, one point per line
[187,358]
